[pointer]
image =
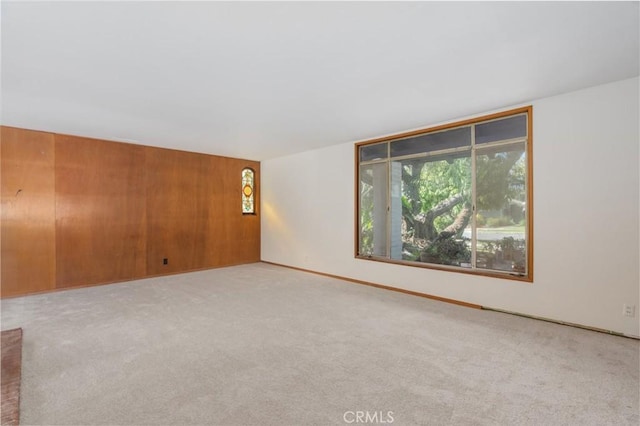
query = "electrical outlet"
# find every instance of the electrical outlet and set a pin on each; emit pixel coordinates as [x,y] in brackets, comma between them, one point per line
[629,310]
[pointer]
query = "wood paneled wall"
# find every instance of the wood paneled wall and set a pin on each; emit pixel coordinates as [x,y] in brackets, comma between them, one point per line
[93,212]
[27,242]
[178,214]
[100,211]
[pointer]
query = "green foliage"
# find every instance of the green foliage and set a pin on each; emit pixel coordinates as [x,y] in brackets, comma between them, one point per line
[507,254]
[496,222]
[507,243]
[366,219]
[448,251]
[443,179]
[428,182]
[500,178]
[480,220]
[487,246]
[517,179]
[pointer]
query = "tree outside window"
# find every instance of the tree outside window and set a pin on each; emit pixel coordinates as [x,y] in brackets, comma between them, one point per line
[455,197]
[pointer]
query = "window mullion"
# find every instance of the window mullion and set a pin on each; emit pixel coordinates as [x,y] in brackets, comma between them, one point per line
[389,200]
[474,236]
[388,212]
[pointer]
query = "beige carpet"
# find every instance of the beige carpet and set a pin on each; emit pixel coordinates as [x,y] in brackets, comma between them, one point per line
[11,369]
[264,345]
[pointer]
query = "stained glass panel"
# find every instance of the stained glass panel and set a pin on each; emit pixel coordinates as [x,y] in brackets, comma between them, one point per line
[248,205]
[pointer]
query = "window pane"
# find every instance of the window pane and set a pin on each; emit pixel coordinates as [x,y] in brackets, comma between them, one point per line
[247,191]
[430,142]
[373,152]
[433,209]
[501,208]
[373,209]
[507,128]
[434,198]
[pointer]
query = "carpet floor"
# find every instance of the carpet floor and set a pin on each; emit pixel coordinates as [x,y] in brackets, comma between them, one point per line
[11,370]
[264,345]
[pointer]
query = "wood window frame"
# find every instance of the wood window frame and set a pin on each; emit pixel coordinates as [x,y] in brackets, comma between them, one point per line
[528,277]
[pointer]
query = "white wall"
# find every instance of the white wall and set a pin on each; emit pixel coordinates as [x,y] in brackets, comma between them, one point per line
[586,216]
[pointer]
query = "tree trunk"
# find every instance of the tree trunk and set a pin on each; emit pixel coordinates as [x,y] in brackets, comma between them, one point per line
[461,222]
[422,223]
[444,206]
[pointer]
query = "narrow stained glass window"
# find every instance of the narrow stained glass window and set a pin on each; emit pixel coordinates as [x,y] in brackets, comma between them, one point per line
[248,205]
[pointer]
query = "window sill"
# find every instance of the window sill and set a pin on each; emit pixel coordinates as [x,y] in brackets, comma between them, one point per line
[514,276]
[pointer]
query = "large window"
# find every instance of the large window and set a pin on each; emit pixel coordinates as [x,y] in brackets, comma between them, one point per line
[455,197]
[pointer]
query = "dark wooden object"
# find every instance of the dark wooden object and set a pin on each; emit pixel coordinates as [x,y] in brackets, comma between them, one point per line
[11,373]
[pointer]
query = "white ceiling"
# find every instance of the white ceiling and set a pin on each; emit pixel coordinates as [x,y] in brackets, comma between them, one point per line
[262,80]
